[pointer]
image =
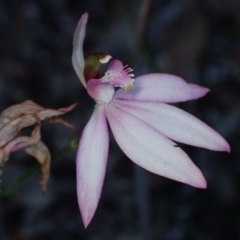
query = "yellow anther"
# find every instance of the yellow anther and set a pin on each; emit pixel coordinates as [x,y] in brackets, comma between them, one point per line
[128,87]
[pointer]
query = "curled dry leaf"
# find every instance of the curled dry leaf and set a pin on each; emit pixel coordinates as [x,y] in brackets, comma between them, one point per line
[19,116]
[42,154]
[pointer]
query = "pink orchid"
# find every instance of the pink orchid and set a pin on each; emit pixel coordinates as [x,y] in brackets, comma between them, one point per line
[142,124]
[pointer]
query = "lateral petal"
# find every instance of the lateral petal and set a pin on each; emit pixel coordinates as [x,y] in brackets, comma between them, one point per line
[148,148]
[159,87]
[91,163]
[176,124]
[77,55]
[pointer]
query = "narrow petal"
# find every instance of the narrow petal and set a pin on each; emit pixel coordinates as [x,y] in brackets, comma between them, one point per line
[91,163]
[176,124]
[77,55]
[158,87]
[148,148]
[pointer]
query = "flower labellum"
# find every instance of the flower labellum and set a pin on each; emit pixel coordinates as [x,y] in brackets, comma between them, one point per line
[143,124]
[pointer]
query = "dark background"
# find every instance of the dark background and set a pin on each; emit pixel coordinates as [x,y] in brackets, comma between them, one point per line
[197,40]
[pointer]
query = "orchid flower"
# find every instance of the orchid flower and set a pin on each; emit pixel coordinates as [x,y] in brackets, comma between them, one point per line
[143,124]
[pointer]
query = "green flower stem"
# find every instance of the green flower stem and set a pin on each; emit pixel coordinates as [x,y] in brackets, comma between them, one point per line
[30,172]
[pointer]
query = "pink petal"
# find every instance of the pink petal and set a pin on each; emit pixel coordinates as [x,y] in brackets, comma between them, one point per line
[158,87]
[148,148]
[100,92]
[91,163]
[176,124]
[77,55]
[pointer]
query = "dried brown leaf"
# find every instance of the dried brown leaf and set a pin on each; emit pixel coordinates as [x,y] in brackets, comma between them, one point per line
[19,116]
[59,120]
[20,142]
[49,113]
[11,130]
[42,154]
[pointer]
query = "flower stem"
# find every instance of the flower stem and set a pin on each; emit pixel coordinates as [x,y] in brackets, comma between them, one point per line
[31,171]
